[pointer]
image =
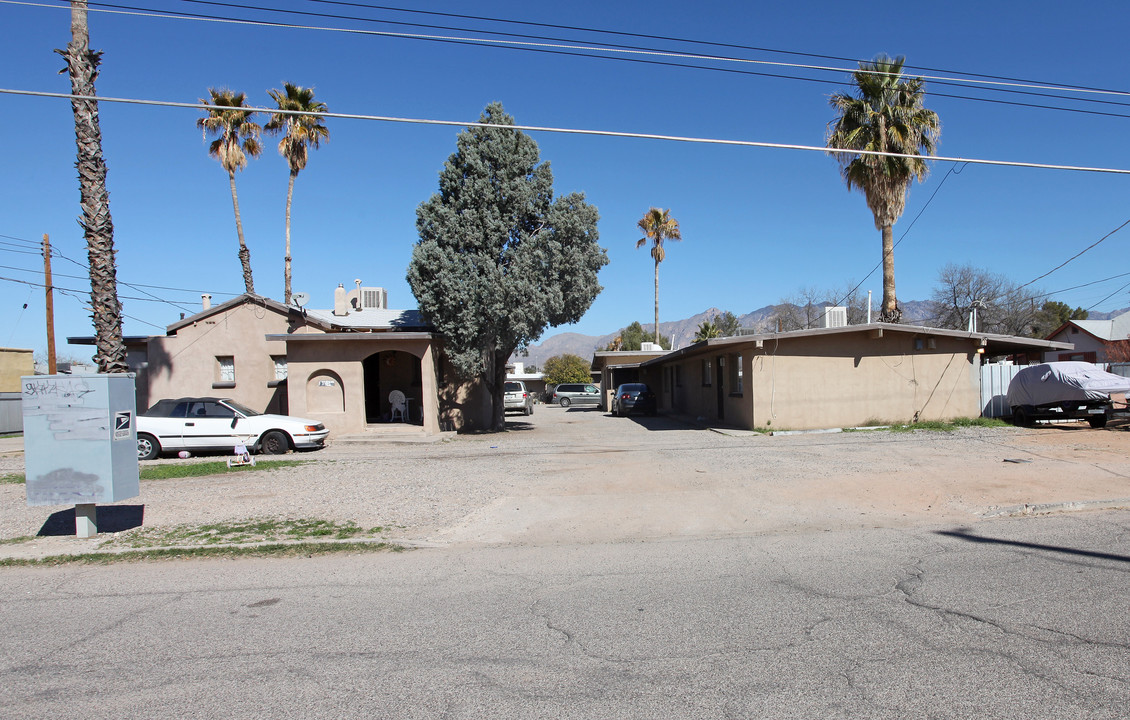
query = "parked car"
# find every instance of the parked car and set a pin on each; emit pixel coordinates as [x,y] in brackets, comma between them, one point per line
[1064,390]
[221,424]
[517,398]
[633,398]
[567,394]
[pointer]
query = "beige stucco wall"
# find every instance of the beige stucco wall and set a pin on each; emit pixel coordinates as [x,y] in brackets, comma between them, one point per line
[327,379]
[823,382]
[237,332]
[14,363]
[865,380]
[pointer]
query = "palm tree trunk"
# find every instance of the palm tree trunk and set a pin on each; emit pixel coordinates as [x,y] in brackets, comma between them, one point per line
[890,312]
[244,253]
[98,228]
[657,301]
[286,259]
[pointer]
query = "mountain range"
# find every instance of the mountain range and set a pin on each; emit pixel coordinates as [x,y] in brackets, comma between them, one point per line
[682,332]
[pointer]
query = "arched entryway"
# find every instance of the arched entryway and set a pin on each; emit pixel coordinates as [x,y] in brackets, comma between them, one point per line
[384,372]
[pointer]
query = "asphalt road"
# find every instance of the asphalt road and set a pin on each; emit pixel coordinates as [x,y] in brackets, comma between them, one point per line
[1015,618]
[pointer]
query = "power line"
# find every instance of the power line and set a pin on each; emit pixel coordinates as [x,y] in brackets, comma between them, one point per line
[687,40]
[556,47]
[574,131]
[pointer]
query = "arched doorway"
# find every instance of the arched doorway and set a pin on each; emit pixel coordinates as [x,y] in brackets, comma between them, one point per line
[384,372]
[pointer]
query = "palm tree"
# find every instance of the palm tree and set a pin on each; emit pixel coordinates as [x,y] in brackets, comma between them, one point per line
[237,137]
[98,228]
[300,132]
[657,225]
[886,117]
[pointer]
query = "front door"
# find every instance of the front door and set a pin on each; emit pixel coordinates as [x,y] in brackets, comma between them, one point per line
[720,366]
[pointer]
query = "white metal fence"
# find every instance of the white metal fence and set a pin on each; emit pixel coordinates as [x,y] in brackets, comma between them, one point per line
[11,413]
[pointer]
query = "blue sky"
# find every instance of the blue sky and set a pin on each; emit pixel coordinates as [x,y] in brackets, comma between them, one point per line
[758,224]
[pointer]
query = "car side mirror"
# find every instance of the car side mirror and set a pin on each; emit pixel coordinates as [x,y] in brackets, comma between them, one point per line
[234,420]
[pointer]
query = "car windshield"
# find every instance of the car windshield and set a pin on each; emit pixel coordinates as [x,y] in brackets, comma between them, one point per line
[513,387]
[635,388]
[241,408]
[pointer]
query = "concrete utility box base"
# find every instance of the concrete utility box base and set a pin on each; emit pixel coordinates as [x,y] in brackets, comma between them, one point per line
[86,520]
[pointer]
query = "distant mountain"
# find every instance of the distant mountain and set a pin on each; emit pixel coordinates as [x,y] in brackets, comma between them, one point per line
[683,331]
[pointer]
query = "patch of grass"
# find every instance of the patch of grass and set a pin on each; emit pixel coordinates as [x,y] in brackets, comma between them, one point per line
[256,530]
[12,479]
[274,550]
[16,540]
[949,425]
[212,467]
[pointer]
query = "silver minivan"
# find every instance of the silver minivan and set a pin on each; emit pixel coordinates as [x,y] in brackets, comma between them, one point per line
[567,394]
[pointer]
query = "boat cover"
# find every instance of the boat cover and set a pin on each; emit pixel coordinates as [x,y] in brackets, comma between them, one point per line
[1064,382]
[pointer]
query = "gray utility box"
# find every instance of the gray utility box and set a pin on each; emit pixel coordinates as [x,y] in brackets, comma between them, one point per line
[80,439]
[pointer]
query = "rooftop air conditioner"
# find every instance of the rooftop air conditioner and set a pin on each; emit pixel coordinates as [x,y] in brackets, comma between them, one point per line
[835,317]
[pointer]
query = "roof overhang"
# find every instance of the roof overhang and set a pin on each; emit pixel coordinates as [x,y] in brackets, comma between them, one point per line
[350,337]
[992,344]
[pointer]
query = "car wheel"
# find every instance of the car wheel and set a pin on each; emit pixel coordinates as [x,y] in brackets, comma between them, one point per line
[1020,417]
[147,447]
[529,410]
[274,443]
[565,402]
[1097,421]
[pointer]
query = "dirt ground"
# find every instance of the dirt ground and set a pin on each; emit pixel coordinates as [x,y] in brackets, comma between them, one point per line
[567,476]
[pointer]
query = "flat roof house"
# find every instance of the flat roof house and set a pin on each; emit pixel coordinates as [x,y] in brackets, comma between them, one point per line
[830,377]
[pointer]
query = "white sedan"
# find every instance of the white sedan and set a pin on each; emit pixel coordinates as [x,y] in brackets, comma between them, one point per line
[221,424]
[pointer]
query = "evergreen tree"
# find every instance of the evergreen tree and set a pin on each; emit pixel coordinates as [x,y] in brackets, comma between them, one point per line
[499,259]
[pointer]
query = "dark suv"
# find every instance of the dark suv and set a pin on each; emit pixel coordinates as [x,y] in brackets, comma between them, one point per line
[567,394]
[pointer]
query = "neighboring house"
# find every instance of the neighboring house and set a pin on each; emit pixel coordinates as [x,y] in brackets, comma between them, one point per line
[1096,341]
[535,382]
[14,364]
[830,377]
[338,365]
[612,368]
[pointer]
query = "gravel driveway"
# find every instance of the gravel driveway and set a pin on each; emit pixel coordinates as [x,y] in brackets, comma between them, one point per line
[580,475]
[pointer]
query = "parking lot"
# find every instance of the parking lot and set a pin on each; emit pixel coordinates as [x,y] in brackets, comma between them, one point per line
[580,475]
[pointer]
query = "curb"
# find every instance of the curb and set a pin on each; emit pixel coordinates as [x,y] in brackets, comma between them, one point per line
[1027,510]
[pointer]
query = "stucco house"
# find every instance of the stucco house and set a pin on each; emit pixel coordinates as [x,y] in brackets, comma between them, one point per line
[1094,341]
[336,365]
[829,377]
[14,364]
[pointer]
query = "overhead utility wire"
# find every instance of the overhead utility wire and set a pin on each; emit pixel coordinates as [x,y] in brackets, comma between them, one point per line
[572,131]
[649,36]
[116,9]
[990,80]
[55,252]
[636,60]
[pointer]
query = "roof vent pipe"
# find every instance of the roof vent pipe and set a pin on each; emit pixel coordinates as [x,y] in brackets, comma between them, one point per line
[206,301]
[341,307]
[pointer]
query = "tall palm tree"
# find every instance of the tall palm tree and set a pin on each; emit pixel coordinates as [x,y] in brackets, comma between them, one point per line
[657,225]
[887,116]
[299,133]
[237,138]
[98,228]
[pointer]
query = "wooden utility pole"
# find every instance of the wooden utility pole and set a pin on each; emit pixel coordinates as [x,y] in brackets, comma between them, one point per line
[50,305]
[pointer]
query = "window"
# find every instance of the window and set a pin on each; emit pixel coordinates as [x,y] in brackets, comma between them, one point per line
[738,379]
[678,376]
[706,379]
[280,366]
[225,369]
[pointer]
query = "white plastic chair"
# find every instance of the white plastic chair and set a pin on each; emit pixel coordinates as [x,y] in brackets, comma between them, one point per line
[396,398]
